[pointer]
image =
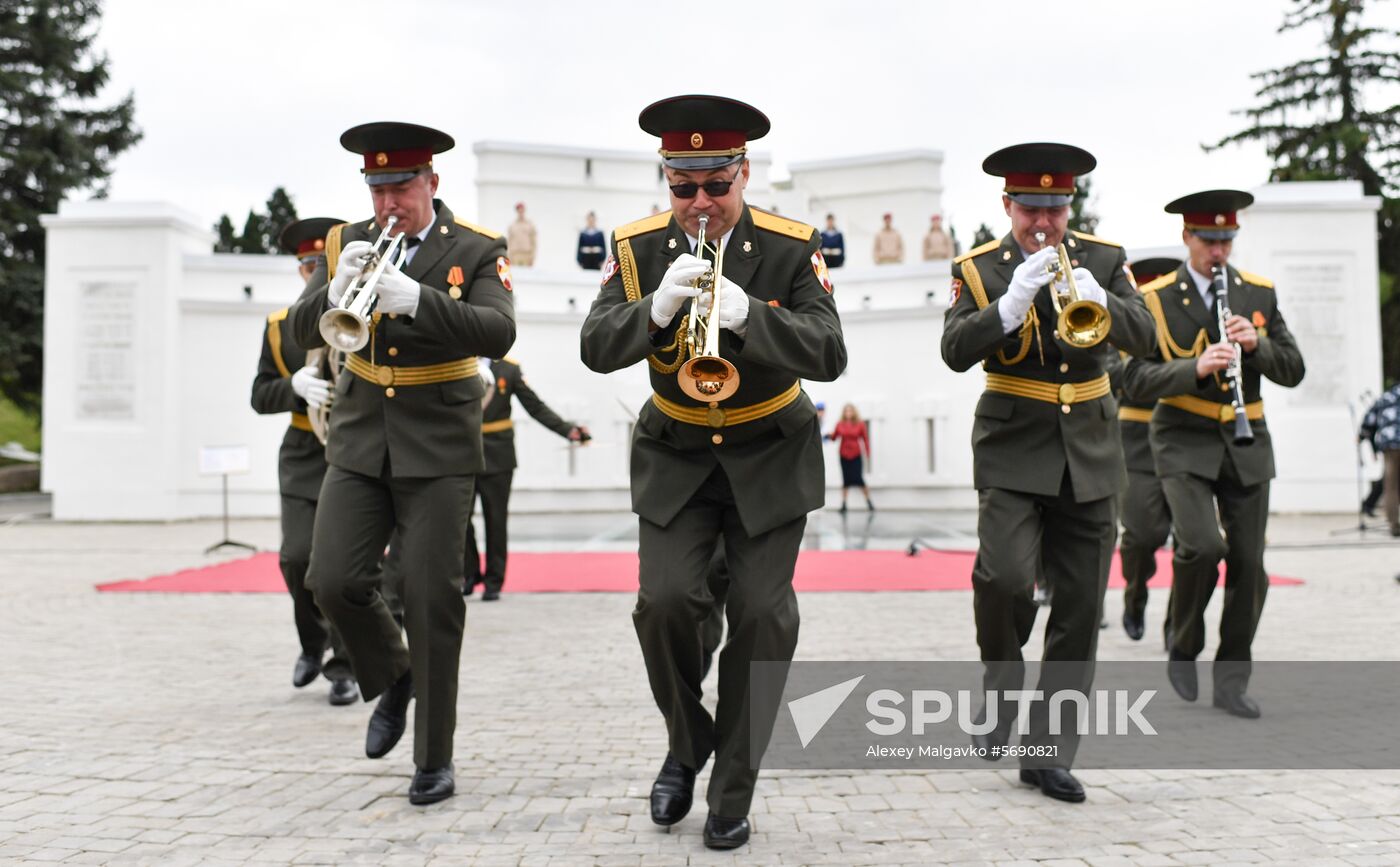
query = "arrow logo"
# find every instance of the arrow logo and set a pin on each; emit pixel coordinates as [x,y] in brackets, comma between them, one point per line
[811,713]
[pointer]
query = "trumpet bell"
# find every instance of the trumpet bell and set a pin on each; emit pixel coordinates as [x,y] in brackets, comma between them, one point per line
[343,330]
[708,378]
[1083,324]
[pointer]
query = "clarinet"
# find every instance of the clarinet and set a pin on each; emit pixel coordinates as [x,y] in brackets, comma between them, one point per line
[1244,434]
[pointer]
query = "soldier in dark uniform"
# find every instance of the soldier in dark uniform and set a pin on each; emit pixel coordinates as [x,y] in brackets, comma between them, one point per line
[592,246]
[833,244]
[1047,461]
[405,440]
[285,383]
[504,381]
[1144,514]
[747,470]
[1201,466]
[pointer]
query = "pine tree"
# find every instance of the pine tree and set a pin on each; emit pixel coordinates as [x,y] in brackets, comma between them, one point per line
[260,230]
[1081,217]
[53,144]
[1314,122]
[254,238]
[982,236]
[226,241]
[280,212]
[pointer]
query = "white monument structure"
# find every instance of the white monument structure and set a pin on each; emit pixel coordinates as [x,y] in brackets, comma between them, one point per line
[152,341]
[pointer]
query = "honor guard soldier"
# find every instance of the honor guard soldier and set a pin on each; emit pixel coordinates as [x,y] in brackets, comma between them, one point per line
[748,469]
[503,381]
[286,383]
[833,244]
[1203,382]
[405,437]
[592,245]
[1047,462]
[1144,514]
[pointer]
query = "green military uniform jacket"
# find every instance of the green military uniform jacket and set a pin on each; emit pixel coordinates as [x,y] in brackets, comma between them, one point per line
[301,462]
[1020,443]
[498,436]
[466,309]
[774,464]
[1134,421]
[1183,442]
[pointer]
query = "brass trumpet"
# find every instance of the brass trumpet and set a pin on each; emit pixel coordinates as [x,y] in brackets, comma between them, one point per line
[346,326]
[1079,323]
[705,376]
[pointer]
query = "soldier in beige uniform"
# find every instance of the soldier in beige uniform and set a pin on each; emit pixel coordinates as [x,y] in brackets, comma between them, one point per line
[405,440]
[521,239]
[889,246]
[937,243]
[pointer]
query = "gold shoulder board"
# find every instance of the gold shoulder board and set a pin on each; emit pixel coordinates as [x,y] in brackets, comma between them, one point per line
[654,223]
[1084,236]
[473,227]
[782,225]
[1256,280]
[1161,282]
[333,248]
[978,251]
[277,316]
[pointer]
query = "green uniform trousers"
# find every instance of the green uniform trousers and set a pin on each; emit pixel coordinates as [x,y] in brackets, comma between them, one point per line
[356,516]
[1244,515]
[493,489]
[712,633]
[298,519]
[1021,536]
[674,602]
[1146,523]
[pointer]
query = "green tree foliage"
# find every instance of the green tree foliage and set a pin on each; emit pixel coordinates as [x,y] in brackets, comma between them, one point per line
[260,230]
[1081,215]
[1313,117]
[982,236]
[54,143]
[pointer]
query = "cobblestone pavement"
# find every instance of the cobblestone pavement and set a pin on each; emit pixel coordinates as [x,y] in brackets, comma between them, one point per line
[163,729]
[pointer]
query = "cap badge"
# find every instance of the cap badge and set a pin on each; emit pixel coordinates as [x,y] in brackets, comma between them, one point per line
[1046,180]
[320,243]
[696,139]
[381,159]
[1219,219]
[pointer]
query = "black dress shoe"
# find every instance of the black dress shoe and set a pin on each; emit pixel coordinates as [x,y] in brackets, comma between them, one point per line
[672,793]
[1134,625]
[1236,704]
[431,786]
[722,833]
[1056,783]
[307,669]
[344,691]
[490,594]
[1181,671]
[468,589]
[390,718]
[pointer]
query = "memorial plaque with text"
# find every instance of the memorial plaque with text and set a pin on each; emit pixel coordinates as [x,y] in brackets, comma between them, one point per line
[106,371]
[1316,293]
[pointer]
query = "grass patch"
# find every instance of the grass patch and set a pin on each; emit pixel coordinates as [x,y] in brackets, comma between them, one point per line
[19,426]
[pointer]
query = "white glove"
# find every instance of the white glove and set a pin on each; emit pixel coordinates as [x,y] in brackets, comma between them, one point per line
[398,292]
[675,288]
[1089,288]
[346,268]
[1028,278]
[733,306]
[310,387]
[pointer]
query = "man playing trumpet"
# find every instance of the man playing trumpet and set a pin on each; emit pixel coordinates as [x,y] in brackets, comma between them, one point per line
[744,467]
[1201,456]
[1047,460]
[405,438]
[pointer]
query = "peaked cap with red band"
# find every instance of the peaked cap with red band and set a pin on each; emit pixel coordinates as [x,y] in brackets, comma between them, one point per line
[703,132]
[1146,270]
[1040,174]
[1212,215]
[307,237]
[395,152]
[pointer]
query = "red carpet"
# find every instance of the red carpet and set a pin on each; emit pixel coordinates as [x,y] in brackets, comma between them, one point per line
[616,572]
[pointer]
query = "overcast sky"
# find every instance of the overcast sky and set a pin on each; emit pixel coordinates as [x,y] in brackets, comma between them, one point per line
[236,98]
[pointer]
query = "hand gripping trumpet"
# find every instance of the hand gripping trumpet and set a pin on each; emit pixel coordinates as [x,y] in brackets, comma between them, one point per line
[346,326]
[1244,434]
[705,376]
[1078,322]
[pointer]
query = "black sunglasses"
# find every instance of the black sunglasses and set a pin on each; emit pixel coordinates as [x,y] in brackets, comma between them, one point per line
[713,189]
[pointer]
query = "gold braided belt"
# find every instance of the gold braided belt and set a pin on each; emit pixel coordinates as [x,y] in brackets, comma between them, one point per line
[497,426]
[1134,413]
[300,421]
[1062,393]
[427,374]
[1221,412]
[716,416]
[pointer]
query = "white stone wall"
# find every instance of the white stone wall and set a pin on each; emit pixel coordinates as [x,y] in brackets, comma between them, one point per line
[164,361]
